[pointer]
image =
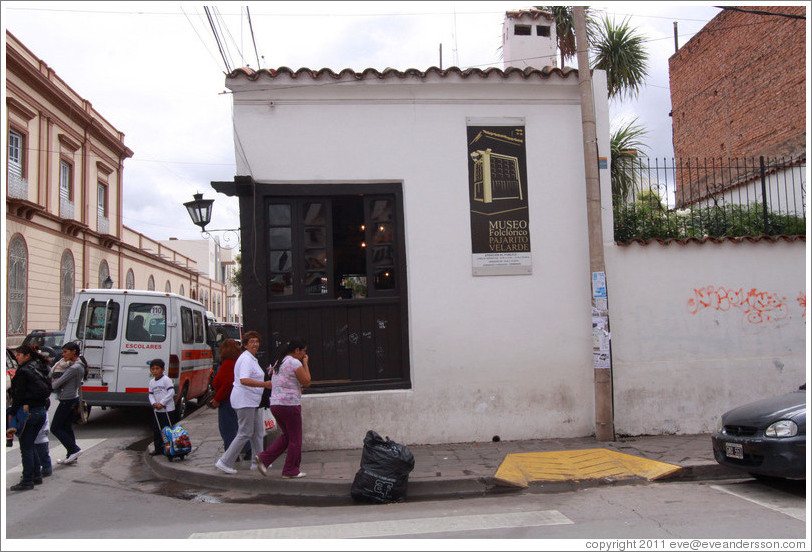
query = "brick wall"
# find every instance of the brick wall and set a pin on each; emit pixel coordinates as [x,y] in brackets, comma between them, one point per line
[738,87]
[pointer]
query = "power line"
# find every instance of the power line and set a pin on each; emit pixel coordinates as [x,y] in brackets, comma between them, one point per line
[251,26]
[761,12]
[217,39]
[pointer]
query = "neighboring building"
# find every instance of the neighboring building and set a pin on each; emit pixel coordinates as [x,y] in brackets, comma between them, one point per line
[64,204]
[218,264]
[738,91]
[425,232]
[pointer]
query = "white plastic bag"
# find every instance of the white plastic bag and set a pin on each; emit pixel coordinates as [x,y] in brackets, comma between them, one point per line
[269,420]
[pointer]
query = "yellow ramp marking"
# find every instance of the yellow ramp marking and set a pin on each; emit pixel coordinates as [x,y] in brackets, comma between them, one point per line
[521,469]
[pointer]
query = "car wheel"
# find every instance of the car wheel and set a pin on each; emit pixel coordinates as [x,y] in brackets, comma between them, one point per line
[183,403]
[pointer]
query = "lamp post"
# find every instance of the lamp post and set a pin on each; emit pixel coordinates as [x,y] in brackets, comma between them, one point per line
[200,211]
[108,282]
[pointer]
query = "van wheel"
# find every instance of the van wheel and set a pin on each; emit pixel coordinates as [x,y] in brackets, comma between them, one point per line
[183,403]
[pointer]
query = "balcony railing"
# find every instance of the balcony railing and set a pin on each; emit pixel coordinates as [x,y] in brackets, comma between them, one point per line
[102,224]
[66,210]
[17,186]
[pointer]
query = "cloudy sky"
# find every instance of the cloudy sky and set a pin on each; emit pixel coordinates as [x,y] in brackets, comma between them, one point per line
[154,71]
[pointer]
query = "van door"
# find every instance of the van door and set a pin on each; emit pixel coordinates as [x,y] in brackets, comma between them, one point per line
[145,337]
[97,327]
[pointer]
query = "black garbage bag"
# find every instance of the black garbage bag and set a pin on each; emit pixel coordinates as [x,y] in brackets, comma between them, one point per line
[384,473]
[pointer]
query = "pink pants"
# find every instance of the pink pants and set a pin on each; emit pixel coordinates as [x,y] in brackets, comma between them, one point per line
[289,419]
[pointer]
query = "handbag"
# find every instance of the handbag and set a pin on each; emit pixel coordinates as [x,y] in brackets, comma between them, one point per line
[268,420]
[80,410]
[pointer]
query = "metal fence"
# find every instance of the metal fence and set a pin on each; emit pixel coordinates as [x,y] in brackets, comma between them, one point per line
[701,198]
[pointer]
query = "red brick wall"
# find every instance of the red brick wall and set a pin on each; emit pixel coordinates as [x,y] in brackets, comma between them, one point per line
[738,87]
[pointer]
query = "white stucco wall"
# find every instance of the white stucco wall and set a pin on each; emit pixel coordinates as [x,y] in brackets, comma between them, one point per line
[498,355]
[698,329]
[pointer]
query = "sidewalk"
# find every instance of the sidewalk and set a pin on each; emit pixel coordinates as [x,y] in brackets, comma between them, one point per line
[458,470]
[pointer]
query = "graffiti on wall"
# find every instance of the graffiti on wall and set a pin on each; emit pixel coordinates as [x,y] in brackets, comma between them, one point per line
[758,308]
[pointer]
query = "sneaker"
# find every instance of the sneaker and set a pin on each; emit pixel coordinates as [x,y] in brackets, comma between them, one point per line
[38,480]
[261,466]
[297,476]
[222,467]
[253,467]
[73,457]
[22,486]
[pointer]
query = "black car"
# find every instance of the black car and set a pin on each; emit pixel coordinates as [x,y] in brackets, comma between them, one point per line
[766,437]
[49,343]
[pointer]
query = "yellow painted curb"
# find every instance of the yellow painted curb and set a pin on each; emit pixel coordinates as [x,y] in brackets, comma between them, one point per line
[519,470]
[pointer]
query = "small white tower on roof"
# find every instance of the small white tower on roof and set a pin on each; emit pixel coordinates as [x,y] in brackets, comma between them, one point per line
[528,39]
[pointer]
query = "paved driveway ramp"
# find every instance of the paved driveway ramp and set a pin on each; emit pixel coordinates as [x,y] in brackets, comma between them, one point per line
[520,470]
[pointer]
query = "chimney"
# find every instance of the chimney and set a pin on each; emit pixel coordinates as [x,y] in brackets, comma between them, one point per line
[528,39]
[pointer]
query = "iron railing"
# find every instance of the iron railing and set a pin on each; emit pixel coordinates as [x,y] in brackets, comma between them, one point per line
[700,198]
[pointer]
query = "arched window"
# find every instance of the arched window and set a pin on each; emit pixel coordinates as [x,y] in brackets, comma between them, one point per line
[130,280]
[67,278]
[104,273]
[181,292]
[151,283]
[168,287]
[17,285]
[206,299]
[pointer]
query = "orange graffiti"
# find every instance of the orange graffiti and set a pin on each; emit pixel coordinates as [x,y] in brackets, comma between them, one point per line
[802,302]
[758,307]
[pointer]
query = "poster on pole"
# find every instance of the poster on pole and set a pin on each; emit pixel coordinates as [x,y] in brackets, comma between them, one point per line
[497,190]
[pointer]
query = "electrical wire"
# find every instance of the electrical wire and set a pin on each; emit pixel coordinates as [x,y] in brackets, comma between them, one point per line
[251,26]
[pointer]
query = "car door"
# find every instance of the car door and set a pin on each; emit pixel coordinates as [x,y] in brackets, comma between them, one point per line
[145,337]
[97,328]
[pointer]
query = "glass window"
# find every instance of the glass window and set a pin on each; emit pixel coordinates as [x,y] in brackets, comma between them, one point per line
[15,153]
[280,244]
[100,311]
[104,273]
[101,199]
[67,287]
[130,280]
[151,283]
[168,287]
[17,286]
[199,332]
[65,181]
[187,326]
[146,322]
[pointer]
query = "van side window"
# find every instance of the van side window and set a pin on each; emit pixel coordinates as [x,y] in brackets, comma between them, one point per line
[186,325]
[199,335]
[146,322]
[99,312]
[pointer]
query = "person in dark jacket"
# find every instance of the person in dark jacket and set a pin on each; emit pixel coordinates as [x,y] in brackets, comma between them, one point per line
[223,383]
[24,397]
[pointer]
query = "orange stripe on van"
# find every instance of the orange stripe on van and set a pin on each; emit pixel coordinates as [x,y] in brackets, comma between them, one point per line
[94,389]
[195,354]
[136,389]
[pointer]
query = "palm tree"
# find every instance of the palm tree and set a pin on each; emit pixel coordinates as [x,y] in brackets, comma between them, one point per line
[618,49]
[564,34]
[627,149]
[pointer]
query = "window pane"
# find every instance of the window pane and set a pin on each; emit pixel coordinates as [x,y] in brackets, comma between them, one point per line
[17,276]
[384,278]
[279,238]
[316,283]
[199,326]
[99,311]
[146,322]
[279,215]
[187,326]
[382,233]
[381,210]
[281,283]
[383,255]
[315,259]
[315,236]
[280,261]
[314,214]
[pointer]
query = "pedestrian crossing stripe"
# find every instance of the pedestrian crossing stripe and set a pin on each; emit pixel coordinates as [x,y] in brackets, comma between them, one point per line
[56,451]
[400,527]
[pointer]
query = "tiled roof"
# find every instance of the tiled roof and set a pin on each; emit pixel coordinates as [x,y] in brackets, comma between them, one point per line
[535,14]
[734,239]
[325,73]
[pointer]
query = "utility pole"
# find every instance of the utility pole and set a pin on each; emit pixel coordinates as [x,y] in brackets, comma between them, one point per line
[602,358]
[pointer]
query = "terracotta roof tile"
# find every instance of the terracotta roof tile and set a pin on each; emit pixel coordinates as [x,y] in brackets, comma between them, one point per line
[535,14]
[370,73]
[734,239]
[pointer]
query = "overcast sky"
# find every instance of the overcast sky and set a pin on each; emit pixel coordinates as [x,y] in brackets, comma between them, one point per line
[153,70]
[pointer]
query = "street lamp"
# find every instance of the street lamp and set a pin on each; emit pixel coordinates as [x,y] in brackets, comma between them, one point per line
[108,282]
[200,211]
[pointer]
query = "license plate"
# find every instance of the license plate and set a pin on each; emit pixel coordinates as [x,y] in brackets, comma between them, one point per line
[734,450]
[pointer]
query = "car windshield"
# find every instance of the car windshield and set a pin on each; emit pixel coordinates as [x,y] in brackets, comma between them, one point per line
[232,332]
[53,341]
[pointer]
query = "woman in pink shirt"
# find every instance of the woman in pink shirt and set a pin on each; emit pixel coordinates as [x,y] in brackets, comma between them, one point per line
[290,374]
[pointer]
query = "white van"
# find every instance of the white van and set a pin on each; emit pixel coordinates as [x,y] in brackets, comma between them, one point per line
[140,326]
